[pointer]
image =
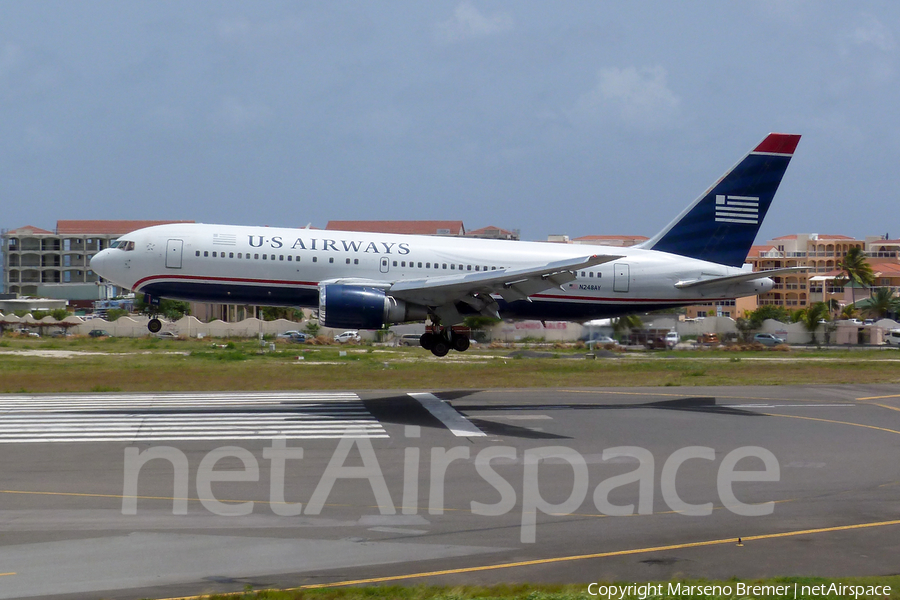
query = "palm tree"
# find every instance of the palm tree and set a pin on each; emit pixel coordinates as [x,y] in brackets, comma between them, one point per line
[880,303]
[626,324]
[855,268]
[849,312]
[811,316]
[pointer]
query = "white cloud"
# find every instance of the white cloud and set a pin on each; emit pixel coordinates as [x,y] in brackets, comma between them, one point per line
[636,97]
[468,22]
[873,33]
[235,115]
[10,58]
[243,30]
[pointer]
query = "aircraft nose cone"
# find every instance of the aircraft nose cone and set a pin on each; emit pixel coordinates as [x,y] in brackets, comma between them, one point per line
[99,261]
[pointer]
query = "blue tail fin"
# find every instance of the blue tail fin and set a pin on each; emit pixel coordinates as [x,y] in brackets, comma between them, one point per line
[721,225]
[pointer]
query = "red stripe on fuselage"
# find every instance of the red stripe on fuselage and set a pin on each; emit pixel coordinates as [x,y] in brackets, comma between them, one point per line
[140,282]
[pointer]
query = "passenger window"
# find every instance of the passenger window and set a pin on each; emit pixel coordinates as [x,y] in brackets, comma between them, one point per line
[198,253]
[214,255]
[453,267]
[403,263]
[591,274]
[427,265]
[240,255]
[290,258]
[231,255]
[315,259]
[348,261]
[420,265]
[477,268]
[331,259]
[256,256]
[395,263]
[445,265]
[355,261]
[281,257]
[265,257]
[468,267]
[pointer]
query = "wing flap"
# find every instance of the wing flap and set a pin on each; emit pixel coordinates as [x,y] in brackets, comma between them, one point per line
[510,284]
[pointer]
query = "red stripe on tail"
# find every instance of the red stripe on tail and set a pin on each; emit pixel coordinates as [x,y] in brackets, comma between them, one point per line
[779,143]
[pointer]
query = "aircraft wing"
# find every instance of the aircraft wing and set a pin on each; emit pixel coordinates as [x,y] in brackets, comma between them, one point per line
[475,289]
[740,278]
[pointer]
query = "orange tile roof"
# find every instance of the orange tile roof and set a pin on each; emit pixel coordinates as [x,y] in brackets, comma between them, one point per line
[613,237]
[756,251]
[29,230]
[105,227]
[408,227]
[488,228]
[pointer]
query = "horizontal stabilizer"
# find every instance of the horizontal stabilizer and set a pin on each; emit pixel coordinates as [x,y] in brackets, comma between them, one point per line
[740,278]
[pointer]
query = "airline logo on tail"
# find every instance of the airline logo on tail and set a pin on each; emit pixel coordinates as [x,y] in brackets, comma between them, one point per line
[737,209]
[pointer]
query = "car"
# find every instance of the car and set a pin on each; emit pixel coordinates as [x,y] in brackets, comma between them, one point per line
[601,340]
[288,334]
[672,338]
[96,333]
[767,339]
[347,336]
[708,339]
[892,338]
[166,335]
[60,334]
[409,339]
[299,337]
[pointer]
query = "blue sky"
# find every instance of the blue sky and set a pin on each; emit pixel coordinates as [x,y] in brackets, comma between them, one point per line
[565,117]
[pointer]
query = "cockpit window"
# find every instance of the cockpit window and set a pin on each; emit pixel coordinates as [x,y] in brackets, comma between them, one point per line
[123,245]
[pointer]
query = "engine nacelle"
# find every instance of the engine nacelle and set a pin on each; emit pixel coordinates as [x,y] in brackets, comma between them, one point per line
[360,307]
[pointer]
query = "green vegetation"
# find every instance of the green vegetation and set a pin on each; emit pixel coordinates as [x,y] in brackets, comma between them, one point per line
[580,591]
[83,364]
[855,269]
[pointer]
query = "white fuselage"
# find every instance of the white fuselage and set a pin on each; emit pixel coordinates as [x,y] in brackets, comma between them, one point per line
[281,266]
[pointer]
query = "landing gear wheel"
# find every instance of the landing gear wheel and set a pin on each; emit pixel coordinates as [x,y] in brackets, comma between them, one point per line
[154,325]
[427,340]
[460,343]
[440,347]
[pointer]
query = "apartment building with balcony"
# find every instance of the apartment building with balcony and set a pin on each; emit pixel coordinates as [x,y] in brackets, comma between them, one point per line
[56,264]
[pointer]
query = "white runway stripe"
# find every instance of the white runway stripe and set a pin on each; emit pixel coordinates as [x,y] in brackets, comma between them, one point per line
[172,417]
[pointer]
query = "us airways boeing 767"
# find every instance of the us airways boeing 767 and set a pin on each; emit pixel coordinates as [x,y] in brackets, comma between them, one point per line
[369,280]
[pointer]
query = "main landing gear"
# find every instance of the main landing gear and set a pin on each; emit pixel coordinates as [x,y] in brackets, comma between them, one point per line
[440,340]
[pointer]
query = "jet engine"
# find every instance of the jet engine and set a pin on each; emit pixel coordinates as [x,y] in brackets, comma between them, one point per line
[361,307]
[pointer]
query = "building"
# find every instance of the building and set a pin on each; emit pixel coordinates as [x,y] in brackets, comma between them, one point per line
[446,228]
[619,241]
[56,264]
[493,233]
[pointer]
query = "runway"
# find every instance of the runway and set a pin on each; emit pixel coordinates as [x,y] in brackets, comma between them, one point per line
[164,495]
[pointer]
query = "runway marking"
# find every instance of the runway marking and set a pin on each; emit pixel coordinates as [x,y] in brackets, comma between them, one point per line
[446,414]
[833,421]
[558,559]
[5,574]
[886,406]
[170,417]
[880,397]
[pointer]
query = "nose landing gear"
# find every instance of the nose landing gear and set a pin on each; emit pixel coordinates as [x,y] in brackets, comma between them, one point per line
[440,340]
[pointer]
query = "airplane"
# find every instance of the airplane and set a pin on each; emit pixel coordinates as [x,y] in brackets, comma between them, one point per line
[371,280]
